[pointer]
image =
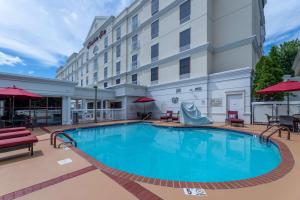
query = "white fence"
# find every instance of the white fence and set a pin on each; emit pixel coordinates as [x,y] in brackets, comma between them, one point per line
[87,115]
[272,108]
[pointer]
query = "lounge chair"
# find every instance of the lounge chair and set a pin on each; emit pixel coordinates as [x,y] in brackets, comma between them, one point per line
[14,134]
[175,118]
[288,121]
[7,130]
[18,143]
[167,116]
[233,118]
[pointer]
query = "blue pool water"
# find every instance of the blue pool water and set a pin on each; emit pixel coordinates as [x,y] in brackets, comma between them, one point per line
[192,154]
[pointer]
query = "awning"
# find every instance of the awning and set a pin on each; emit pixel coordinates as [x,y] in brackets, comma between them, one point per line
[144,100]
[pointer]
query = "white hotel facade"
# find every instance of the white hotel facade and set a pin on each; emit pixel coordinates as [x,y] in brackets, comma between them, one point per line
[201,51]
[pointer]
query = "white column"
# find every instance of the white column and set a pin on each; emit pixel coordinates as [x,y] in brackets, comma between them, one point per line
[125,107]
[66,111]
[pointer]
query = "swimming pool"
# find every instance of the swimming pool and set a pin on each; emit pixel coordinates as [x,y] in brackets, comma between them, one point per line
[178,154]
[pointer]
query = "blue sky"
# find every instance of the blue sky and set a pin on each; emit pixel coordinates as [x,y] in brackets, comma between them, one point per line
[36,36]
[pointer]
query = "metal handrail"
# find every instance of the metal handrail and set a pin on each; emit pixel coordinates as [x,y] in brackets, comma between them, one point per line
[281,128]
[53,139]
[262,133]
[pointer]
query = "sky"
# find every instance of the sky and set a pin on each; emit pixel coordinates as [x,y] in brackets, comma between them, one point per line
[37,36]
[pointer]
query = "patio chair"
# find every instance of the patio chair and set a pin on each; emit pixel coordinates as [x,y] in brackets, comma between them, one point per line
[148,116]
[233,118]
[176,118]
[167,116]
[287,121]
[271,120]
[7,130]
[16,134]
[13,144]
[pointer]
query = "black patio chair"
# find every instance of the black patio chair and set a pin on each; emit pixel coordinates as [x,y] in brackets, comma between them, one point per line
[287,121]
[271,120]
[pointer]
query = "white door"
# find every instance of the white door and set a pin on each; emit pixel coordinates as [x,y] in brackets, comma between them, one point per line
[235,103]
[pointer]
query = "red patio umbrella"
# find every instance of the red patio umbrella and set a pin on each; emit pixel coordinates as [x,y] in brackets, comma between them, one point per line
[17,92]
[144,100]
[286,86]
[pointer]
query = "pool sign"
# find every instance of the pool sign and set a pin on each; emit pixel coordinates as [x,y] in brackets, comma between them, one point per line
[194,192]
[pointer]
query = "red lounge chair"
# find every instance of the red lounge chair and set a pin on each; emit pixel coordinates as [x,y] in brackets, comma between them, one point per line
[233,118]
[167,115]
[18,143]
[14,134]
[7,130]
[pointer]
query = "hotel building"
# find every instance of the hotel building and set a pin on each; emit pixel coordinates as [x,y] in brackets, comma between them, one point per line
[201,51]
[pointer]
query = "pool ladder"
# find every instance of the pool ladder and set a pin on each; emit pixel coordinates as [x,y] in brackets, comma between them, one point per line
[278,129]
[53,139]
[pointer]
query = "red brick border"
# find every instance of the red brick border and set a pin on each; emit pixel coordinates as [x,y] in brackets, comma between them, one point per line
[286,165]
[40,186]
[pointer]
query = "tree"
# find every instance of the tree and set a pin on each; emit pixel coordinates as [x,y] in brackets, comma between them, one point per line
[267,73]
[271,68]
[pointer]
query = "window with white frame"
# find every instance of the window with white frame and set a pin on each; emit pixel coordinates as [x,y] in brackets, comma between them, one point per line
[118,81]
[87,80]
[154,52]
[134,22]
[134,61]
[96,64]
[105,42]
[118,50]
[105,57]
[185,40]
[134,42]
[185,11]
[134,79]
[155,29]
[154,6]
[154,74]
[185,67]
[95,76]
[105,85]
[118,32]
[105,72]
[118,68]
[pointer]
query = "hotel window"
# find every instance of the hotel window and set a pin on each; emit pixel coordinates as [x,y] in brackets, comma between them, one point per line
[118,50]
[154,74]
[184,68]
[134,42]
[81,71]
[185,11]
[155,29]
[154,6]
[95,49]
[154,52]
[185,39]
[134,61]
[105,73]
[81,82]
[87,80]
[118,33]
[87,69]
[105,57]
[105,42]
[134,79]
[118,68]
[118,81]
[96,64]
[105,85]
[135,22]
[95,77]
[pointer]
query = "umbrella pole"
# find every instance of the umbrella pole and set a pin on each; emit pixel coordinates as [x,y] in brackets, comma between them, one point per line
[13,110]
[288,104]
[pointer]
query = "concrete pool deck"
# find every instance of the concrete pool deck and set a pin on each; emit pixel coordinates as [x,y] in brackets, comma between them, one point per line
[41,177]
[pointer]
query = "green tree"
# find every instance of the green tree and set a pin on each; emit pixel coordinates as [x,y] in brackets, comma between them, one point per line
[267,73]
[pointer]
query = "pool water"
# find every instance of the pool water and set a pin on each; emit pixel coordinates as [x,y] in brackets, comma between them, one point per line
[178,154]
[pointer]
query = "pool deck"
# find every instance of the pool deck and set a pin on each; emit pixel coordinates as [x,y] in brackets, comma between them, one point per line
[41,177]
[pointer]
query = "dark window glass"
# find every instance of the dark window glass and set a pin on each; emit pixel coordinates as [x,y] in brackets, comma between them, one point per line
[105,57]
[105,72]
[154,74]
[185,66]
[134,60]
[135,22]
[155,29]
[134,78]
[118,68]
[185,39]
[105,85]
[119,33]
[118,81]
[118,50]
[154,52]
[185,11]
[154,6]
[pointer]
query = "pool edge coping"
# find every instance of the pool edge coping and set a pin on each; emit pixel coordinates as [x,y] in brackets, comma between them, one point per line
[286,165]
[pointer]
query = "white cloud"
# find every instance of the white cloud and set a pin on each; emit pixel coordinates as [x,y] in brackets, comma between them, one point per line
[47,30]
[9,60]
[31,72]
[282,17]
